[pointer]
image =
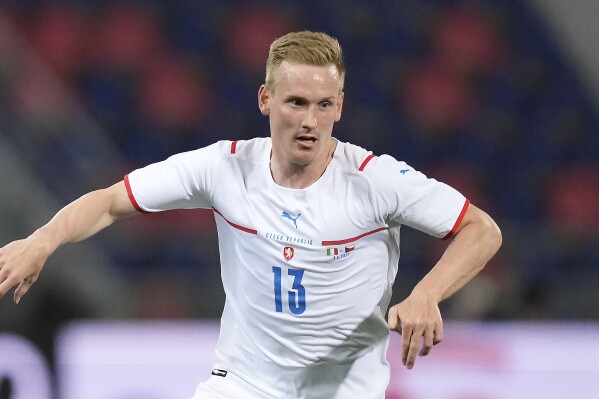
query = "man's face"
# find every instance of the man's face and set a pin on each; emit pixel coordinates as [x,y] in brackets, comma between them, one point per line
[303,104]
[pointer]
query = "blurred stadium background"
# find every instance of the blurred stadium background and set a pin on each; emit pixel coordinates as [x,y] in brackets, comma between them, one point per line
[499,98]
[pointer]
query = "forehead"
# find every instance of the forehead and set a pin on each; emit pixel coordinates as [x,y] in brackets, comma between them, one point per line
[295,76]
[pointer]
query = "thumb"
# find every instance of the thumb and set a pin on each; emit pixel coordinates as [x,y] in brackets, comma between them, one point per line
[394,320]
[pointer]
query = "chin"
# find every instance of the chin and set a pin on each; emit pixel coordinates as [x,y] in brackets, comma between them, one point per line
[302,161]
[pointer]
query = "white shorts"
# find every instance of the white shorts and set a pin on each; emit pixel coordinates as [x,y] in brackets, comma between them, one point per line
[365,377]
[223,384]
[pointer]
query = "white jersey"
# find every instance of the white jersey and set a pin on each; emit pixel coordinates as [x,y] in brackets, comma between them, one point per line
[307,272]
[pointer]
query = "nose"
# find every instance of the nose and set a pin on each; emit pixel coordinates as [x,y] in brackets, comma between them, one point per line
[310,122]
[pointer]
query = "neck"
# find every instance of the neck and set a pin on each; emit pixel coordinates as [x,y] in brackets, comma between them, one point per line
[292,175]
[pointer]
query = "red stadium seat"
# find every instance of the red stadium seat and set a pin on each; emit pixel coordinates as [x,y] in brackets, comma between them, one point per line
[573,200]
[58,34]
[173,94]
[125,37]
[250,32]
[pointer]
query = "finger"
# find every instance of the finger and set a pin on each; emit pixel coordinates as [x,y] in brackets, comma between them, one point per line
[394,320]
[413,349]
[6,283]
[406,338]
[438,334]
[427,342]
[23,288]
[20,291]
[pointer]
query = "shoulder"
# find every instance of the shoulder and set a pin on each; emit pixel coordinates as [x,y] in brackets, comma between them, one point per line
[248,148]
[354,157]
[221,150]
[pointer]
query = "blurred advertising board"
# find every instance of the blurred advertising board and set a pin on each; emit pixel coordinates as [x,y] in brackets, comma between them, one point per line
[165,360]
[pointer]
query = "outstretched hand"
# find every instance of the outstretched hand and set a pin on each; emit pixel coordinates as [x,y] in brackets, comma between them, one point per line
[417,319]
[21,262]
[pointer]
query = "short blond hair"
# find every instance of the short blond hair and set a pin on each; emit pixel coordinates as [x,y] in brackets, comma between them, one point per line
[313,48]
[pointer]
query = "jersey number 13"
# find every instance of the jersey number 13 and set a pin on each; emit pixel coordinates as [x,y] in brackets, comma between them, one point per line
[297,294]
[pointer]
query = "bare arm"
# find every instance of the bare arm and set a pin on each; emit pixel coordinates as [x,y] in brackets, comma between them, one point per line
[21,261]
[478,238]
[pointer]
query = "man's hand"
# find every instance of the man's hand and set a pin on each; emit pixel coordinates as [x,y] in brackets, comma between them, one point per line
[21,262]
[417,319]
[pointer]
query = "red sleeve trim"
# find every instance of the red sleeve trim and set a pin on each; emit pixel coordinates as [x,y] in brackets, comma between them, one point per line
[131,197]
[368,158]
[233,147]
[459,221]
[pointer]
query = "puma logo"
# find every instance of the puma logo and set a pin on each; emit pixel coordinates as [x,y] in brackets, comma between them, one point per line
[288,216]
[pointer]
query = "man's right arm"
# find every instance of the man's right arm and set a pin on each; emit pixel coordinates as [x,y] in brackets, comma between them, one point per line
[21,261]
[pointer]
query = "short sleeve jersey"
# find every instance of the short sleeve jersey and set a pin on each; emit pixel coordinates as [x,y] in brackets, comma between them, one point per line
[308,272]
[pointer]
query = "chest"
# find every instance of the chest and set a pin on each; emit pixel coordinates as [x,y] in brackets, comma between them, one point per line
[336,208]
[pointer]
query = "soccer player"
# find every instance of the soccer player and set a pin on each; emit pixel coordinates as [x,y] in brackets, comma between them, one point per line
[309,240]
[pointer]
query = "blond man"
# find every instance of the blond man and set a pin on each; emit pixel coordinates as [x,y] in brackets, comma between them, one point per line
[308,235]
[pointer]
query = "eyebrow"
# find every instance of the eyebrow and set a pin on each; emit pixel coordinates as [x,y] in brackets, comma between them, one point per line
[294,97]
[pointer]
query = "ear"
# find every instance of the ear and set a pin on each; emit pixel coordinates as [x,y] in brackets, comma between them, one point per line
[339,107]
[263,100]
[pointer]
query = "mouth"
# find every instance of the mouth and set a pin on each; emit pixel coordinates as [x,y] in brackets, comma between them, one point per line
[308,140]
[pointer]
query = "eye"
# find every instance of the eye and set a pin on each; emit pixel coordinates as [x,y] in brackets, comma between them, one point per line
[326,104]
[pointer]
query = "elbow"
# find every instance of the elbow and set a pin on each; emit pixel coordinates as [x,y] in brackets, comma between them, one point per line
[492,234]
[484,231]
[488,239]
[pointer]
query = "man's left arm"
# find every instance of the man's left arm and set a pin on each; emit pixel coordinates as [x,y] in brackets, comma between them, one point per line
[477,239]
